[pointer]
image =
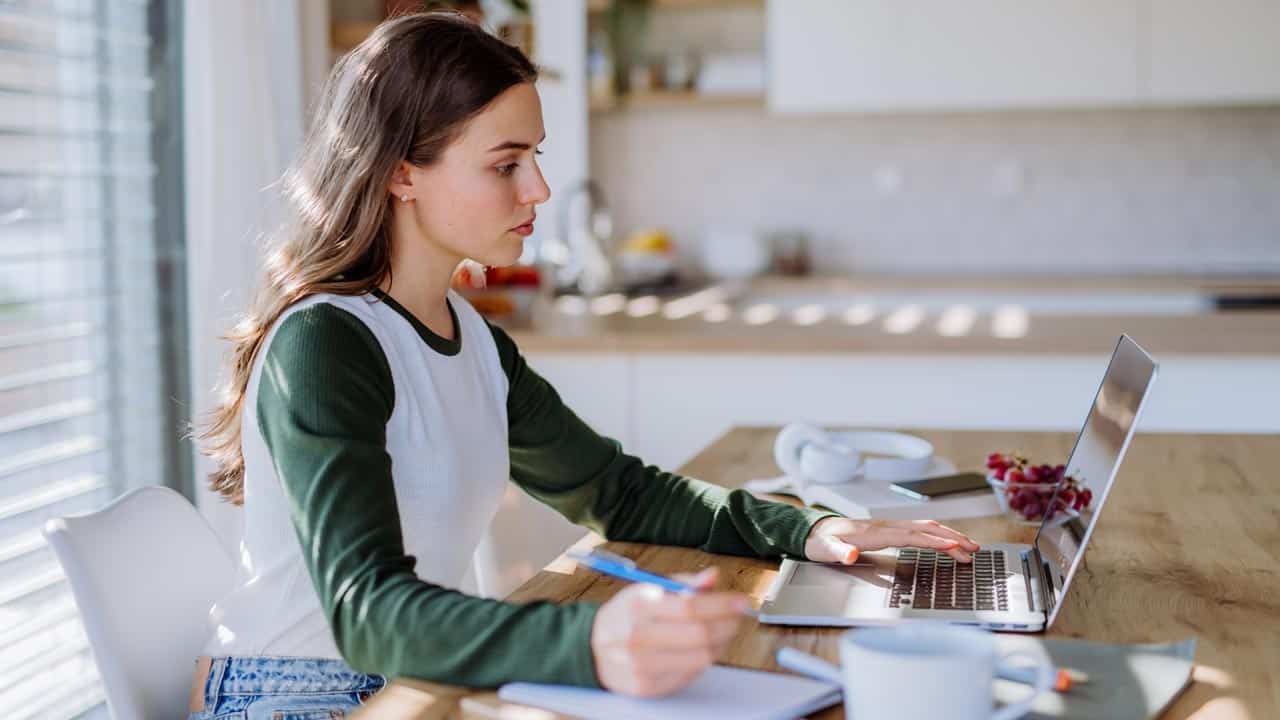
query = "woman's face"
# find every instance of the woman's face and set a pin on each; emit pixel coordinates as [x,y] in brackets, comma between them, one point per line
[477,201]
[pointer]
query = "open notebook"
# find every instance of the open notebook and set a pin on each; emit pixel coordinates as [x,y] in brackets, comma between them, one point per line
[874,499]
[720,692]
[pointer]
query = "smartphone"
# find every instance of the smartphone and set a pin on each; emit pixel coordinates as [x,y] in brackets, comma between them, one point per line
[943,485]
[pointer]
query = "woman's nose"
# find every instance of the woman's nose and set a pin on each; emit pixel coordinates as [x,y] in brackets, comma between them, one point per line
[535,191]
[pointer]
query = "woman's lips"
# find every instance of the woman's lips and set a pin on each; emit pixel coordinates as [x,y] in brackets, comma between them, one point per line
[526,229]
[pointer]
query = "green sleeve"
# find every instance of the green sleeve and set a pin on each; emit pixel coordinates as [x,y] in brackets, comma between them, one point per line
[558,459]
[324,399]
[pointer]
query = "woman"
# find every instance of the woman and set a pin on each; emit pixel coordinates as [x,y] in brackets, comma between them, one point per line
[372,420]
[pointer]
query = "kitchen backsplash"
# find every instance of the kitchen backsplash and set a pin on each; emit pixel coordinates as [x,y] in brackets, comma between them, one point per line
[1091,191]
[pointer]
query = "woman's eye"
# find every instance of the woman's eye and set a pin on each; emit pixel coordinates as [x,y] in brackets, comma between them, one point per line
[506,170]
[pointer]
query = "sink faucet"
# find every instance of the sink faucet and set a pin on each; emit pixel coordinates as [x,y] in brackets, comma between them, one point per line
[581,256]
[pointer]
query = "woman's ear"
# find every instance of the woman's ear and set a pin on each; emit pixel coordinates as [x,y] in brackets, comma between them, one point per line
[401,184]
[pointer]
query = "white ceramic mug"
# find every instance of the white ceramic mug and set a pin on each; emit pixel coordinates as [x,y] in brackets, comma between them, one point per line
[927,671]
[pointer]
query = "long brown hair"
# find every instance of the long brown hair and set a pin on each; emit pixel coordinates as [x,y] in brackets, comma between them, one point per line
[404,93]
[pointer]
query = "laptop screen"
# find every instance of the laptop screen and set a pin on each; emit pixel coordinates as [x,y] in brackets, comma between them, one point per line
[1099,448]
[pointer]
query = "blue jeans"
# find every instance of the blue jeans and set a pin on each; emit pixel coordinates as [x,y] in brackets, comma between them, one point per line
[283,688]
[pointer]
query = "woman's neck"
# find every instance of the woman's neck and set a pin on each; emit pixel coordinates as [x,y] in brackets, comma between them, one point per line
[421,272]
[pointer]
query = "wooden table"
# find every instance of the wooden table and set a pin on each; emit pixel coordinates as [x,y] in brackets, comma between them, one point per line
[1189,544]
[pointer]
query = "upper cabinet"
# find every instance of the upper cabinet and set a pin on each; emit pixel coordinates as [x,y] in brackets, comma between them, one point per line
[887,55]
[1223,51]
[834,55]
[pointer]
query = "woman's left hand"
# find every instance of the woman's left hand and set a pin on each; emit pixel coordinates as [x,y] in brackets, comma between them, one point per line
[840,540]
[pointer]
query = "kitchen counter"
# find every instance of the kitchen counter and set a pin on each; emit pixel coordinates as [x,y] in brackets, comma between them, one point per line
[1042,315]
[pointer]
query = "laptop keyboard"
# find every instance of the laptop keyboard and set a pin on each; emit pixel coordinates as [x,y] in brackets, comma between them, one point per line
[927,579]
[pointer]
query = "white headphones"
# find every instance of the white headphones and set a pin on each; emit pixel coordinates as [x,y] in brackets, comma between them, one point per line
[809,454]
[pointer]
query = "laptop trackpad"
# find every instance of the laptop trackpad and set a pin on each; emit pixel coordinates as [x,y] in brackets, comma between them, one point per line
[835,589]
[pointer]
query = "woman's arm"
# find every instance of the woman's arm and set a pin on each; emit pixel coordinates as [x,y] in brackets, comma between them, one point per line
[561,461]
[324,399]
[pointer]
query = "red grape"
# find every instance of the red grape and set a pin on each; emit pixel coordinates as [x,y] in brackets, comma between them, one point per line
[1029,489]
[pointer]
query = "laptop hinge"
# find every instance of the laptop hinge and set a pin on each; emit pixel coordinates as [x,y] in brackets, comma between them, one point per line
[1032,600]
[1048,598]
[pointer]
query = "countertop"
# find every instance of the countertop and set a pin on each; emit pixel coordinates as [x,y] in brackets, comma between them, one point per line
[1187,545]
[577,326]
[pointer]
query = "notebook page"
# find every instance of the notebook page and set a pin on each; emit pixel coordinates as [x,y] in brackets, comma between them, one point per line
[720,692]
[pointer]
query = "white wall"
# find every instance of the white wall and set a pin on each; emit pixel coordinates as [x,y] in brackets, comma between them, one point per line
[1106,191]
[243,122]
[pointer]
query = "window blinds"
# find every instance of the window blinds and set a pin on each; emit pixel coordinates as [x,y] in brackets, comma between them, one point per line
[82,415]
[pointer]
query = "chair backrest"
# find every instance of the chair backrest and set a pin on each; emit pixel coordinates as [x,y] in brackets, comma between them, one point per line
[144,571]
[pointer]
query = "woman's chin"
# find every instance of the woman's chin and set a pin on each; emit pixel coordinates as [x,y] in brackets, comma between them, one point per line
[510,251]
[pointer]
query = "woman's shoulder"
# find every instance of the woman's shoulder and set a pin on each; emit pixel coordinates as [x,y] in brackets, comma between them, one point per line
[322,365]
[325,329]
[325,314]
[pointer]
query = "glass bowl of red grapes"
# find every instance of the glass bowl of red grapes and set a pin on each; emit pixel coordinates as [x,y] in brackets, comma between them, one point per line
[1026,491]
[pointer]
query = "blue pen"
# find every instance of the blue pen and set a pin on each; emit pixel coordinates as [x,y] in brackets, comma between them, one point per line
[623,568]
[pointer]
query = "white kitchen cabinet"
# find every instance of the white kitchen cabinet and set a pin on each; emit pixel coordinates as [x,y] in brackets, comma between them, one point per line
[872,55]
[595,386]
[1223,51]
[702,396]
[525,534]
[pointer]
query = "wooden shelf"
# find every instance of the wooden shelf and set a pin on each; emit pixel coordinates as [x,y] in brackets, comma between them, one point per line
[599,6]
[345,35]
[659,100]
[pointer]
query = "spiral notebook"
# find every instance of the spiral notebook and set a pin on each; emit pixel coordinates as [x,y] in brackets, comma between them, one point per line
[720,692]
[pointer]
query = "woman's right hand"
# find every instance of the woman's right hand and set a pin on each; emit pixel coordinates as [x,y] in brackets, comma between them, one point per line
[648,642]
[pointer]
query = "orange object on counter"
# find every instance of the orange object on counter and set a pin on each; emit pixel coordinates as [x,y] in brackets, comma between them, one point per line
[492,304]
[513,276]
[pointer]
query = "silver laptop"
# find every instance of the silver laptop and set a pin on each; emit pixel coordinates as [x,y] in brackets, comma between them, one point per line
[1007,586]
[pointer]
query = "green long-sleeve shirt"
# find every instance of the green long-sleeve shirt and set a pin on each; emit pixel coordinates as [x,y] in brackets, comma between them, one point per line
[325,397]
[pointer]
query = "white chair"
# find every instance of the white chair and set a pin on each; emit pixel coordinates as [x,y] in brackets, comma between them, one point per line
[144,571]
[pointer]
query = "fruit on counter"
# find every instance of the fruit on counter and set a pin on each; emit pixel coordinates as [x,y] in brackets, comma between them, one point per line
[492,304]
[512,276]
[648,241]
